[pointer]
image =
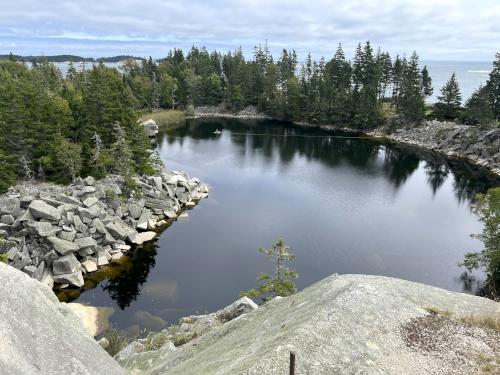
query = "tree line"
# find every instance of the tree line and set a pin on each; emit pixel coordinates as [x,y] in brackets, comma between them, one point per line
[361,93]
[55,128]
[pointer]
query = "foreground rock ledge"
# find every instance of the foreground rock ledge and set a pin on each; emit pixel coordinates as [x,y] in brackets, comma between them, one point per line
[41,336]
[351,324]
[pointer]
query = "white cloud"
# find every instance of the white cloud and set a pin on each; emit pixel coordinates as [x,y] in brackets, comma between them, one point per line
[455,29]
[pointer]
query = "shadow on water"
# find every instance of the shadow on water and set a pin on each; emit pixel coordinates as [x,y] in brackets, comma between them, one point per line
[122,280]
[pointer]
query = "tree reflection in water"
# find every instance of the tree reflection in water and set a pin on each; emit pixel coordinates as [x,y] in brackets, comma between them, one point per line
[125,288]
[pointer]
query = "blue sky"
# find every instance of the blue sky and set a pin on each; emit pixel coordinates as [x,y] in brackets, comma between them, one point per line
[437,29]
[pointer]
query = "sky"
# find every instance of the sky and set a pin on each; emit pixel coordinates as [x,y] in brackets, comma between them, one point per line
[436,29]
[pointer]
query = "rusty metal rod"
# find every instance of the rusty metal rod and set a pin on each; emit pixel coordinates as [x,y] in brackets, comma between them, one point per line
[292,363]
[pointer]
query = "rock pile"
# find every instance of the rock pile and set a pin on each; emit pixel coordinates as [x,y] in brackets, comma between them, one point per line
[189,328]
[481,147]
[56,234]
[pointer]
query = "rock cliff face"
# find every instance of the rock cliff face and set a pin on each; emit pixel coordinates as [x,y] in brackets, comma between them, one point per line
[481,147]
[59,233]
[41,336]
[351,324]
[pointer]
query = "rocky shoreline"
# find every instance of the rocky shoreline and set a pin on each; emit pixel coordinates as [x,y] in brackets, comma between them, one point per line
[469,143]
[248,113]
[57,234]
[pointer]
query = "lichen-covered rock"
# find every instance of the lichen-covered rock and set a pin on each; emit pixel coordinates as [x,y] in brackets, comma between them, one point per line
[351,324]
[41,336]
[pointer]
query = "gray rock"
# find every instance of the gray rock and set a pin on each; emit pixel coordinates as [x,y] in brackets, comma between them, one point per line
[65,264]
[62,246]
[67,236]
[7,219]
[75,279]
[69,200]
[47,278]
[43,336]
[37,275]
[132,348]
[99,226]
[79,225]
[89,265]
[10,206]
[144,218]
[118,229]
[29,270]
[86,242]
[140,238]
[90,201]
[135,210]
[351,324]
[41,228]
[102,259]
[41,210]
[89,181]
[87,213]
[150,127]
[242,306]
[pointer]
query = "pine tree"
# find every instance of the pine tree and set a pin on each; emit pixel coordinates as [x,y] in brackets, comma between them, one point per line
[410,103]
[280,282]
[449,102]
[477,109]
[493,86]
[426,82]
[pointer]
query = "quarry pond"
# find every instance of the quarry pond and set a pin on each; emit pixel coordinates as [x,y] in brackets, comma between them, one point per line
[343,204]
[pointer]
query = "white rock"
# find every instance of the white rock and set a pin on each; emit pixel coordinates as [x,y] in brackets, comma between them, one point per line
[142,237]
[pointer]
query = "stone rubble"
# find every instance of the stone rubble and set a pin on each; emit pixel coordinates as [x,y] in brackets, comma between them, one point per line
[59,233]
[478,146]
[190,327]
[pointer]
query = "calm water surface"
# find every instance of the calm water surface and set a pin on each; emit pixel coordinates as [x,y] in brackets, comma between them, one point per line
[343,205]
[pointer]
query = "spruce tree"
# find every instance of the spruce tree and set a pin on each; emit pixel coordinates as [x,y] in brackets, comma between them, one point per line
[449,102]
[411,106]
[426,83]
[493,86]
[477,109]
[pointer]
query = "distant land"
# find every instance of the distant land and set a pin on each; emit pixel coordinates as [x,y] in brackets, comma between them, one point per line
[72,58]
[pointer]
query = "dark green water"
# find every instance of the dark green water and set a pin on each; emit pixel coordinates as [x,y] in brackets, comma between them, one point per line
[343,205]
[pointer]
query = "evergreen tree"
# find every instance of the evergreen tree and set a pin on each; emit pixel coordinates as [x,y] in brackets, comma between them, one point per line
[477,109]
[426,83]
[280,282]
[449,102]
[410,102]
[493,86]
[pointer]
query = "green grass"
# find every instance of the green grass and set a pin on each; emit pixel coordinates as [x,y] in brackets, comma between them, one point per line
[166,119]
[118,339]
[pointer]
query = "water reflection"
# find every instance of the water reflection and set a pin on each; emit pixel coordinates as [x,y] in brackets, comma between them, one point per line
[125,288]
[346,205]
[273,139]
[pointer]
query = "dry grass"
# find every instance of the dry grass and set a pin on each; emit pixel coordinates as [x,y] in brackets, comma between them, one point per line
[166,119]
[488,322]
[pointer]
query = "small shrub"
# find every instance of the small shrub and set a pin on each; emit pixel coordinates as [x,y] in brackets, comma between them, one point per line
[280,283]
[155,341]
[118,339]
